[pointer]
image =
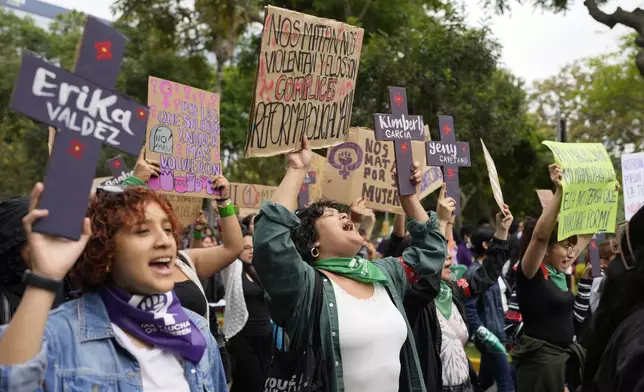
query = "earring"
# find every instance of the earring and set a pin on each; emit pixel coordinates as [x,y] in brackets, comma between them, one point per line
[315,253]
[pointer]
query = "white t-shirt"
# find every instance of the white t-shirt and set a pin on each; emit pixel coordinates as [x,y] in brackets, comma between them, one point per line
[456,368]
[161,371]
[372,332]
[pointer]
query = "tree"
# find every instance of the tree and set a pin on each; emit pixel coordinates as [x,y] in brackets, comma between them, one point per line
[633,19]
[600,98]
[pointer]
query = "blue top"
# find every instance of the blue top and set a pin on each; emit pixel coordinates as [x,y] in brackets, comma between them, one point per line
[79,352]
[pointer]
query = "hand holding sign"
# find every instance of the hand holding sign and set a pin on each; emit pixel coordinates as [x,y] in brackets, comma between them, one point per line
[300,160]
[146,168]
[445,206]
[51,256]
[504,220]
[556,175]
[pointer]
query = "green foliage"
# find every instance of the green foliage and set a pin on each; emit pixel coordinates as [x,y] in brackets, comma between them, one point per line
[600,97]
[447,67]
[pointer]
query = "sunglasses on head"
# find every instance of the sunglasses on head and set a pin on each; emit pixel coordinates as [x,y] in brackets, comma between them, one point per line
[627,255]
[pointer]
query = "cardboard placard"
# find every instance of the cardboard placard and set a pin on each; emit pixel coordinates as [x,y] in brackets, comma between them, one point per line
[494,177]
[250,195]
[363,166]
[305,83]
[633,182]
[589,201]
[183,135]
[185,208]
[318,164]
[544,195]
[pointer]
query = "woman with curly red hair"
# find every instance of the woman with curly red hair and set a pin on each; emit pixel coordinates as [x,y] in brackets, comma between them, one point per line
[128,331]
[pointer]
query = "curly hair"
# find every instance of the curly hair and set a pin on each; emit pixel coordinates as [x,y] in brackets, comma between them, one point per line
[109,213]
[305,235]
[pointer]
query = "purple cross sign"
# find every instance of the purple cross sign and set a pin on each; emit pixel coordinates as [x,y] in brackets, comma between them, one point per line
[88,113]
[449,154]
[303,196]
[401,128]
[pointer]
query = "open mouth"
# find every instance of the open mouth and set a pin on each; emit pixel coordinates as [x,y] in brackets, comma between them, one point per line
[162,265]
[348,226]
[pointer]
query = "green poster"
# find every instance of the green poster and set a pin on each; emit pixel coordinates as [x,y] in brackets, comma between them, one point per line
[589,202]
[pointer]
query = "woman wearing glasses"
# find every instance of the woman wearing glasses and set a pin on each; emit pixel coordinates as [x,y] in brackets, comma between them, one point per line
[546,303]
[614,343]
[128,331]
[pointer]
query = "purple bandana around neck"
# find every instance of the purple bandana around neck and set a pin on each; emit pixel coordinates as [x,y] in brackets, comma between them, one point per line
[157,319]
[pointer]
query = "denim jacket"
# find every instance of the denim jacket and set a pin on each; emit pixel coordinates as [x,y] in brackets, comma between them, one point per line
[80,353]
[486,309]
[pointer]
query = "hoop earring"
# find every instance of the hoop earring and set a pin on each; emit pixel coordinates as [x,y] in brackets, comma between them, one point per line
[315,252]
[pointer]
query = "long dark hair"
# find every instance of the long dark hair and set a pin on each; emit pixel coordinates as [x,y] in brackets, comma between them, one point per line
[622,295]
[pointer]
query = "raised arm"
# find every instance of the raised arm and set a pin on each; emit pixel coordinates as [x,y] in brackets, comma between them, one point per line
[424,258]
[481,279]
[21,342]
[543,229]
[285,276]
[209,261]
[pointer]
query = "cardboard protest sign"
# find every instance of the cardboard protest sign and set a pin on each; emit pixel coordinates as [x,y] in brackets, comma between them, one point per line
[544,195]
[401,128]
[183,135]
[364,167]
[87,113]
[250,195]
[451,155]
[318,164]
[633,182]
[494,177]
[185,208]
[305,83]
[589,201]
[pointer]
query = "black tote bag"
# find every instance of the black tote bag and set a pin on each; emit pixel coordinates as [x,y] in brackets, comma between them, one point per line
[302,369]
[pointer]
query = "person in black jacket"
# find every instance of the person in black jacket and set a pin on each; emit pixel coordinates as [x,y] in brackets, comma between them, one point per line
[15,257]
[614,342]
[439,321]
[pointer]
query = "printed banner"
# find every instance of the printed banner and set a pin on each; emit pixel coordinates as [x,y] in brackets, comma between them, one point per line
[365,167]
[185,208]
[183,135]
[305,83]
[633,182]
[494,177]
[250,196]
[589,202]
[544,195]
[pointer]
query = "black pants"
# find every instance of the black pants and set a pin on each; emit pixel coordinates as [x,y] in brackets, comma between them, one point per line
[250,355]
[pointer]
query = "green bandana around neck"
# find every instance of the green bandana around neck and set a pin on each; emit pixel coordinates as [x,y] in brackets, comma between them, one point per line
[444,300]
[356,268]
[558,278]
